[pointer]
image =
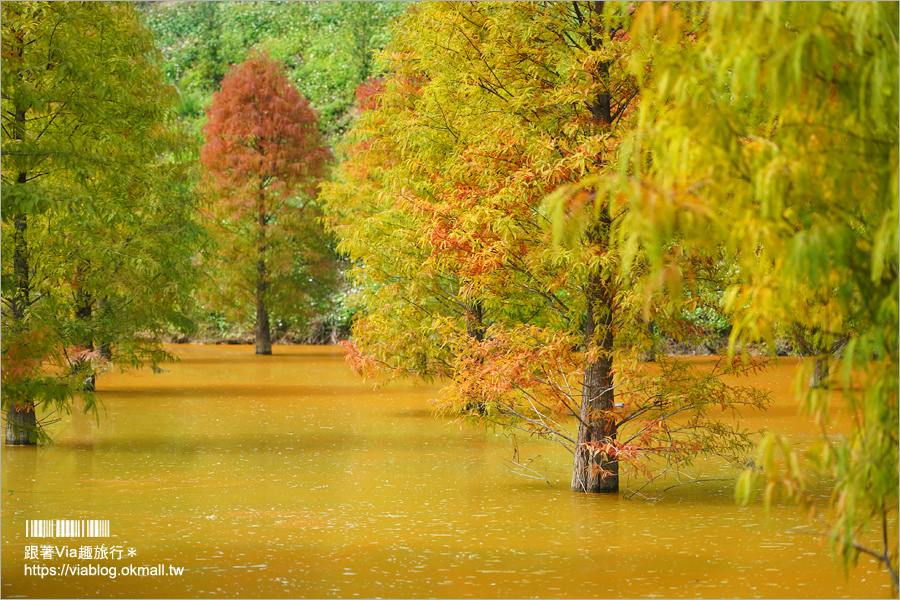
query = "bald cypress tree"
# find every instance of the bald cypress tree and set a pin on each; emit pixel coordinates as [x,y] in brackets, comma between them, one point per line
[265,156]
[98,228]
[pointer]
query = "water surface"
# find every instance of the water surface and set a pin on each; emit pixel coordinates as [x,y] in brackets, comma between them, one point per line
[286,476]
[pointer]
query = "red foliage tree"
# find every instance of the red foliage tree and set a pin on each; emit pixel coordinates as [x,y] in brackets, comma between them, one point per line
[266,156]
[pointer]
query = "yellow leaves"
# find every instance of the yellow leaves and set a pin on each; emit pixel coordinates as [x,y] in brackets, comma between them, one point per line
[886,236]
[657,21]
[444,210]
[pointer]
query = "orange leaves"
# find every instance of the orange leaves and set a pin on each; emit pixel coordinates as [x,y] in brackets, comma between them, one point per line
[510,374]
[612,449]
[21,360]
[362,364]
[78,356]
[603,473]
[368,92]
[22,406]
[260,128]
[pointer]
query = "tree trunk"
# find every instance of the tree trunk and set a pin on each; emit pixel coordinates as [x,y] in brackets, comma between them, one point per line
[22,289]
[595,472]
[263,335]
[84,311]
[823,358]
[106,343]
[476,330]
[21,425]
[820,372]
[651,352]
[21,422]
[475,320]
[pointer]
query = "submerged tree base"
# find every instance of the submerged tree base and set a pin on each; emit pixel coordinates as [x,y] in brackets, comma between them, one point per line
[21,426]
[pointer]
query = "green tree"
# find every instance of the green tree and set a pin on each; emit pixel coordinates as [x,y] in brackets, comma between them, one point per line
[94,247]
[134,253]
[782,151]
[266,157]
[338,53]
[486,109]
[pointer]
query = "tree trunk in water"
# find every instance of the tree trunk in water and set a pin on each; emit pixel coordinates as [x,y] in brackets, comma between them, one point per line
[21,422]
[476,330]
[263,336]
[595,472]
[84,311]
[21,425]
[820,372]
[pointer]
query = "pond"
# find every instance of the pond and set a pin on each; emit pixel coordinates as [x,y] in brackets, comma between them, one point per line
[232,475]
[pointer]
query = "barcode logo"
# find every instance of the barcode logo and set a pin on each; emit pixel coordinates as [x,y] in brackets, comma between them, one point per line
[44,528]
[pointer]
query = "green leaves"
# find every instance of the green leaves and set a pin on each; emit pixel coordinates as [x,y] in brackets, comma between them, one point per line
[789,141]
[97,223]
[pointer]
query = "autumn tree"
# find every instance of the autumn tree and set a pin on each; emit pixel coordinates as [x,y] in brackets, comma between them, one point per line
[486,108]
[781,151]
[97,236]
[265,156]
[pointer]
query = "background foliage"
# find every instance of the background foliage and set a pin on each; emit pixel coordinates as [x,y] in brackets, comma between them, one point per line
[326,47]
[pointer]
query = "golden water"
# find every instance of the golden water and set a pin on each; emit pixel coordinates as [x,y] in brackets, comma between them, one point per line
[286,476]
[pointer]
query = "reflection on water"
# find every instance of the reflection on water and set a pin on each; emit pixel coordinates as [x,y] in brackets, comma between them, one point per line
[285,476]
